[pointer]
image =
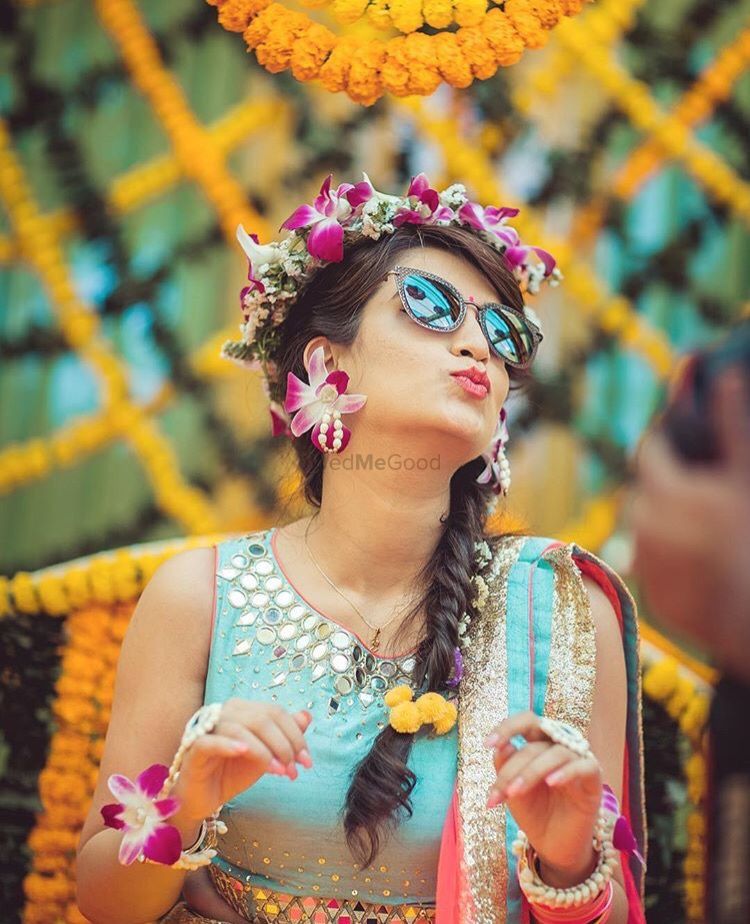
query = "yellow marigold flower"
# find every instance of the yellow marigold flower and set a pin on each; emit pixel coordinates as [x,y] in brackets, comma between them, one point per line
[548,12]
[51,591]
[399,694]
[77,586]
[681,696]
[310,52]
[693,720]
[469,12]
[348,11]
[365,84]
[448,719]
[406,15]
[437,13]
[477,51]
[522,15]
[660,680]
[379,14]
[335,70]
[24,593]
[431,706]
[503,38]
[405,718]
[452,65]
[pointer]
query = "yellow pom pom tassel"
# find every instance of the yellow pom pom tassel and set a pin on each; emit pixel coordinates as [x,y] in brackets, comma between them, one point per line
[447,720]
[401,694]
[431,706]
[405,718]
[429,709]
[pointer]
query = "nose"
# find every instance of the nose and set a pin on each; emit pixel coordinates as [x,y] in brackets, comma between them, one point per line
[469,338]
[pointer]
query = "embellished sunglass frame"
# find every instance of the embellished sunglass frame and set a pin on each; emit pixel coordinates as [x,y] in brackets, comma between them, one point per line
[401,273]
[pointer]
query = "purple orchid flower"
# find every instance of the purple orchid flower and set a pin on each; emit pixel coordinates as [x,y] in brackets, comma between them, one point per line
[491,472]
[141,816]
[492,219]
[326,217]
[424,204]
[279,420]
[622,835]
[324,394]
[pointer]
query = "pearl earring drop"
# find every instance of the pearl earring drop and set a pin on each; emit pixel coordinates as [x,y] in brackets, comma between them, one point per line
[338,432]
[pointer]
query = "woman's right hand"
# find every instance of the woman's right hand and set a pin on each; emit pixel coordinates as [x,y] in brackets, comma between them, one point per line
[251,738]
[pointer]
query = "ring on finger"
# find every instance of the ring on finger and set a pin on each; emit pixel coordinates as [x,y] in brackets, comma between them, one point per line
[566,735]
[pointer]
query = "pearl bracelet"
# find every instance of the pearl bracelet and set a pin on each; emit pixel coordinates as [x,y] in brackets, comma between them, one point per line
[539,892]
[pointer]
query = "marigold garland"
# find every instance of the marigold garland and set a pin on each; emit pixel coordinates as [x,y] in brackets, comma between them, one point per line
[81,329]
[413,63]
[666,682]
[671,134]
[104,580]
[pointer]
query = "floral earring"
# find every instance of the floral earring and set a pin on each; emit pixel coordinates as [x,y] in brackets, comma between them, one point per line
[320,404]
[497,469]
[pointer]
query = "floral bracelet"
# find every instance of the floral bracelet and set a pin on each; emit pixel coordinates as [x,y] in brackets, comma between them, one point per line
[145,803]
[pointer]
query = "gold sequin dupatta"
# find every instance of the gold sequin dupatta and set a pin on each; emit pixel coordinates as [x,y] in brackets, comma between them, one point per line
[533,647]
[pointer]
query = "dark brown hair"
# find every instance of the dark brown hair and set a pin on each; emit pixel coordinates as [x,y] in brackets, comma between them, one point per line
[330,305]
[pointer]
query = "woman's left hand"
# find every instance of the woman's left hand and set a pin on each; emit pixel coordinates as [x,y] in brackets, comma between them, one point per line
[552,793]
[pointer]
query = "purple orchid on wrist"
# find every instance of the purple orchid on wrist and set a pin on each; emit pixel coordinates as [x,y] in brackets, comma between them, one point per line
[141,816]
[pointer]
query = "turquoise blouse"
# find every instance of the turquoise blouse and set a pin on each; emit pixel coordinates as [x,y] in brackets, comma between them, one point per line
[269,645]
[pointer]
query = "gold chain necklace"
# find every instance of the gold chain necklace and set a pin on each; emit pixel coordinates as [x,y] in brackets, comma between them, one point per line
[375,640]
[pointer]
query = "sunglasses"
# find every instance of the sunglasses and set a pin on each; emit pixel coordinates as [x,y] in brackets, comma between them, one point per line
[436,304]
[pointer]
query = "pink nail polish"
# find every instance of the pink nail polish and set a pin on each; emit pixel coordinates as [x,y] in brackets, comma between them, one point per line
[276,767]
[491,740]
[292,771]
[494,800]
[515,786]
[304,758]
[553,778]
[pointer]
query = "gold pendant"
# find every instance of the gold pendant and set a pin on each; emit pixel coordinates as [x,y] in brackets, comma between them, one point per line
[375,641]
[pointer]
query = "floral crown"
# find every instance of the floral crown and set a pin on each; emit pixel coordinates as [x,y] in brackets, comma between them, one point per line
[341,216]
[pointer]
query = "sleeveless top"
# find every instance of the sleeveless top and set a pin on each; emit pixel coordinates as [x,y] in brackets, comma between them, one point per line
[269,645]
[534,647]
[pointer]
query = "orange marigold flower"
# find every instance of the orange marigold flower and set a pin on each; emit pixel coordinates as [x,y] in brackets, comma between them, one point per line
[451,62]
[503,38]
[437,13]
[234,15]
[365,84]
[47,888]
[469,12]
[310,51]
[478,51]
[406,15]
[335,71]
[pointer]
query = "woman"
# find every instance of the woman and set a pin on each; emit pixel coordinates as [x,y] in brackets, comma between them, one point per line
[349,642]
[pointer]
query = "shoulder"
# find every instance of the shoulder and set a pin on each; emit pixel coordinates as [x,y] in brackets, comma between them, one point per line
[180,592]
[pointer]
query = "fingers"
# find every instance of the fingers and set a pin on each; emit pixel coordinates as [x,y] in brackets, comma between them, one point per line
[526,768]
[521,723]
[240,738]
[578,768]
[291,728]
[220,744]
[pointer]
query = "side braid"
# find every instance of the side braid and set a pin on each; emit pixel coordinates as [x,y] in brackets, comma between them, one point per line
[382,782]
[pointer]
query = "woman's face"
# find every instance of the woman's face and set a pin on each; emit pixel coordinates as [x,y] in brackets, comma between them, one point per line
[405,369]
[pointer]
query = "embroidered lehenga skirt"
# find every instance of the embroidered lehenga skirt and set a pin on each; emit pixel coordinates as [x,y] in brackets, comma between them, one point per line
[262,906]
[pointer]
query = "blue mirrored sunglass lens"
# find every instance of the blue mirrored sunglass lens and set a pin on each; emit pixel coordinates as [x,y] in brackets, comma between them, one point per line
[509,335]
[430,303]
